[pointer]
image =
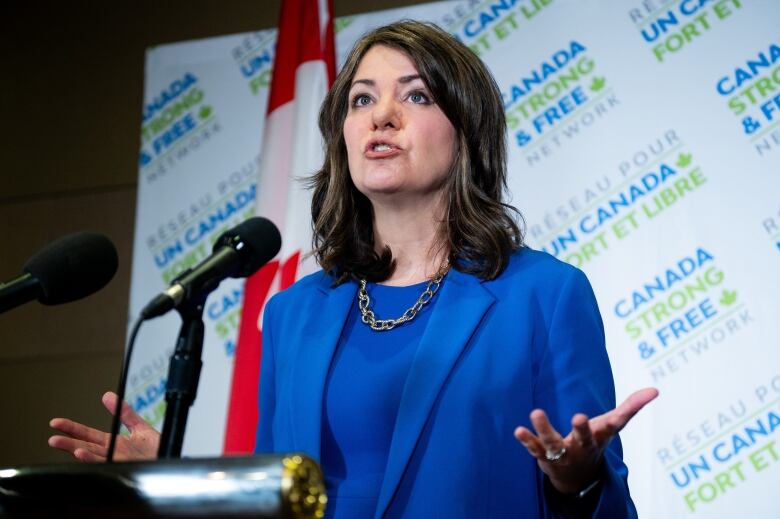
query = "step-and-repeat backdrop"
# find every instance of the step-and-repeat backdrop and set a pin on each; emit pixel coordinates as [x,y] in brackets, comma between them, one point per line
[644,149]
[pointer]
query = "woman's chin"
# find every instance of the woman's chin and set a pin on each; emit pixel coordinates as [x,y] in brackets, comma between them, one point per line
[383,192]
[381,185]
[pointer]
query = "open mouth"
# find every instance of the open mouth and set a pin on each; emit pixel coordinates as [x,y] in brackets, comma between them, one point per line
[380,149]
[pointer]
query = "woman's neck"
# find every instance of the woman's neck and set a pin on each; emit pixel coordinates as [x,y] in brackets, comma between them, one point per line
[413,235]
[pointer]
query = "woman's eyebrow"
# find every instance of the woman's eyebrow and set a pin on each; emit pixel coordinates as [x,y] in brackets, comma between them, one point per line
[371,82]
[409,79]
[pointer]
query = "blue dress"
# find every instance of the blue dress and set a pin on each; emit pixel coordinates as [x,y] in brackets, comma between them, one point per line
[362,394]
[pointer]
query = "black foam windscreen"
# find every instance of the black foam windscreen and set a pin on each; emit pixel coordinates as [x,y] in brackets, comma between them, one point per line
[257,239]
[73,267]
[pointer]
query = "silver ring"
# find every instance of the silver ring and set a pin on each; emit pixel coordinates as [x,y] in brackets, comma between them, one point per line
[555,456]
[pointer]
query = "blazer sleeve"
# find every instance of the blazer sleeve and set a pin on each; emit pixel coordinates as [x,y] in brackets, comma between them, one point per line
[574,376]
[267,386]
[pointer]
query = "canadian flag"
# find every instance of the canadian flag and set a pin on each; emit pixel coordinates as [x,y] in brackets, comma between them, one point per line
[304,69]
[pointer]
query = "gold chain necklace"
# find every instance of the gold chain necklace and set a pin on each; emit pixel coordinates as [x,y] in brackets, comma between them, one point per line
[380,325]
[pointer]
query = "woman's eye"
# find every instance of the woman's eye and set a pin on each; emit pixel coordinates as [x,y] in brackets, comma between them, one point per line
[419,98]
[361,100]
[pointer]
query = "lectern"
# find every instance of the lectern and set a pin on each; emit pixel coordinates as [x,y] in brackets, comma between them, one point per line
[260,487]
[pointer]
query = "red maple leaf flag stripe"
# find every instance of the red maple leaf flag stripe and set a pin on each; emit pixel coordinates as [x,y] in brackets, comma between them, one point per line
[304,69]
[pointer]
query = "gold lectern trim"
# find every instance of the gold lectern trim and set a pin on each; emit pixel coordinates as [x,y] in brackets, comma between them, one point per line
[303,488]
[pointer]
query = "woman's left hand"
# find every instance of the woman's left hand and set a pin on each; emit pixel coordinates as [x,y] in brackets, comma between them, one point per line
[579,464]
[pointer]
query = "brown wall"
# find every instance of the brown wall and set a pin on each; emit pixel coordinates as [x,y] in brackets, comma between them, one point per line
[71,79]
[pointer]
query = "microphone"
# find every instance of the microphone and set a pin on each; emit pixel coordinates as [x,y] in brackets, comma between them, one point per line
[237,253]
[65,270]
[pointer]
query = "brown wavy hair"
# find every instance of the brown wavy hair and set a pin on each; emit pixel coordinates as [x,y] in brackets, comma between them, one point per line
[479,230]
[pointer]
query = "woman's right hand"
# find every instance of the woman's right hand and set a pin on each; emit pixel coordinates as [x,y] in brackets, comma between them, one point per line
[91,445]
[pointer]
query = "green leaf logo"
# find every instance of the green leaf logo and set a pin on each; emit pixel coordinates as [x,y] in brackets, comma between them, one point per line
[597,83]
[728,297]
[342,23]
[205,112]
[684,159]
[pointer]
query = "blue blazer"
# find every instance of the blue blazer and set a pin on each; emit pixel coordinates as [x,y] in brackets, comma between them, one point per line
[492,352]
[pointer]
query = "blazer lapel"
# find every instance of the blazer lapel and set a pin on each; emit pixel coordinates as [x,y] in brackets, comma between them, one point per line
[318,341]
[462,303]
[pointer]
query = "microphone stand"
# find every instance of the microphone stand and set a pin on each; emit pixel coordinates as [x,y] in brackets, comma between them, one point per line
[183,376]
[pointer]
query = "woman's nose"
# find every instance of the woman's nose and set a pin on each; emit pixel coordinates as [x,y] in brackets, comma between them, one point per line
[386,114]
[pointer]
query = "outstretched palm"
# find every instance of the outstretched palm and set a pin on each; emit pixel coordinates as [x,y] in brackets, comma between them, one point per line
[583,446]
[91,445]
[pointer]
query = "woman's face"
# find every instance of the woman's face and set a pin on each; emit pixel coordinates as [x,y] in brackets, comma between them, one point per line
[399,143]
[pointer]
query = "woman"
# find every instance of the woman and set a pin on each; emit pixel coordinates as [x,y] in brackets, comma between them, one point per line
[431,333]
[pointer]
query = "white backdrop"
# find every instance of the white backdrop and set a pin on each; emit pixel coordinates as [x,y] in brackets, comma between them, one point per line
[643,145]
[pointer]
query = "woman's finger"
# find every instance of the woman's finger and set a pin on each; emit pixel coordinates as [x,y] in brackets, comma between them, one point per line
[87,456]
[609,424]
[71,445]
[78,431]
[97,450]
[530,442]
[550,438]
[127,415]
[64,443]
[634,403]
[580,430]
